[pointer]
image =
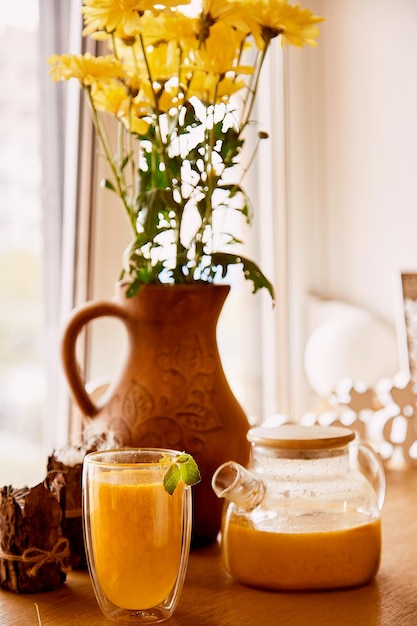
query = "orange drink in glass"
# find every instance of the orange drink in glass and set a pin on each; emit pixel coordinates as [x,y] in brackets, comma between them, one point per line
[137,535]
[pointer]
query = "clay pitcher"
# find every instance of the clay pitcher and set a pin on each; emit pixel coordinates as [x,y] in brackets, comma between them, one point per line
[171,391]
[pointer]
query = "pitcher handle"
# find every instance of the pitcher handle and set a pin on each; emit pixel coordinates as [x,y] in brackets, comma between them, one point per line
[81,316]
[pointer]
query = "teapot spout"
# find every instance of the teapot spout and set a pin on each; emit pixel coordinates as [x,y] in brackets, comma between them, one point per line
[234,482]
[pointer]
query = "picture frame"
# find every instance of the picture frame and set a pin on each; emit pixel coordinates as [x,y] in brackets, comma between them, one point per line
[407,324]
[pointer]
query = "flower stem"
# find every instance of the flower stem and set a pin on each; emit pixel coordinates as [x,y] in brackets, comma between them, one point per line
[106,146]
[253,87]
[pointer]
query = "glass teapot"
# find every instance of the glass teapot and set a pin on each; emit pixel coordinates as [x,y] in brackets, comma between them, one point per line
[307,512]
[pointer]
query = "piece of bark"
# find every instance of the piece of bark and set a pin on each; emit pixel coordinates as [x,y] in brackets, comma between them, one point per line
[34,555]
[72,525]
[68,461]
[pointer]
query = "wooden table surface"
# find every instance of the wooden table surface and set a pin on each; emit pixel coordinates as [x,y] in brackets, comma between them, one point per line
[210,598]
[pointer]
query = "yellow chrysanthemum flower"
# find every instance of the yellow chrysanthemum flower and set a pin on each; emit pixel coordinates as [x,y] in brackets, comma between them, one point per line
[163,66]
[169,99]
[86,68]
[170,27]
[136,125]
[133,116]
[122,16]
[108,15]
[163,61]
[159,99]
[209,92]
[219,54]
[271,18]
[114,100]
[226,11]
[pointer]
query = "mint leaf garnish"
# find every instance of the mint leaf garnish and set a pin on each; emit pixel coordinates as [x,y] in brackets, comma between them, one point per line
[183,468]
[171,478]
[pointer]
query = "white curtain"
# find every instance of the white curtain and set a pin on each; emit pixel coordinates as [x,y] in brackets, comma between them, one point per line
[60,31]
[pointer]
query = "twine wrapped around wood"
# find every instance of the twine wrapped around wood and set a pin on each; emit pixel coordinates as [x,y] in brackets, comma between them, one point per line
[34,555]
[59,554]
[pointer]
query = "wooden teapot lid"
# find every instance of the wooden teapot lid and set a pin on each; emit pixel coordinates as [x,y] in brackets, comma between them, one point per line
[295,437]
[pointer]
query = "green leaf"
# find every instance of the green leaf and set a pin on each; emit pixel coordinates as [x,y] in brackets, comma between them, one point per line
[171,478]
[232,144]
[183,468]
[190,474]
[250,270]
[133,290]
[107,184]
[125,162]
[190,120]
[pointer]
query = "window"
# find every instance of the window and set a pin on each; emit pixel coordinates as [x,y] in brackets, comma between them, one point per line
[22,372]
[31,204]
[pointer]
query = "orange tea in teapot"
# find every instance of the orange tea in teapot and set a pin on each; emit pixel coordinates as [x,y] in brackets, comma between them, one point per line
[306,514]
[303,560]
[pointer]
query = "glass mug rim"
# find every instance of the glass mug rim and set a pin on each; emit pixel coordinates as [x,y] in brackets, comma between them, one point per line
[116,455]
[175,523]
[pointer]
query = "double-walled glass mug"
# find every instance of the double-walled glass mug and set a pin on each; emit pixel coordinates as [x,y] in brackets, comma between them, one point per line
[137,535]
[306,514]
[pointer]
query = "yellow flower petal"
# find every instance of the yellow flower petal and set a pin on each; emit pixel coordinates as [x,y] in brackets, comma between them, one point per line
[121,16]
[111,99]
[87,68]
[220,52]
[226,11]
[169,26]
[108,15]
[271,18]
[210,90]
